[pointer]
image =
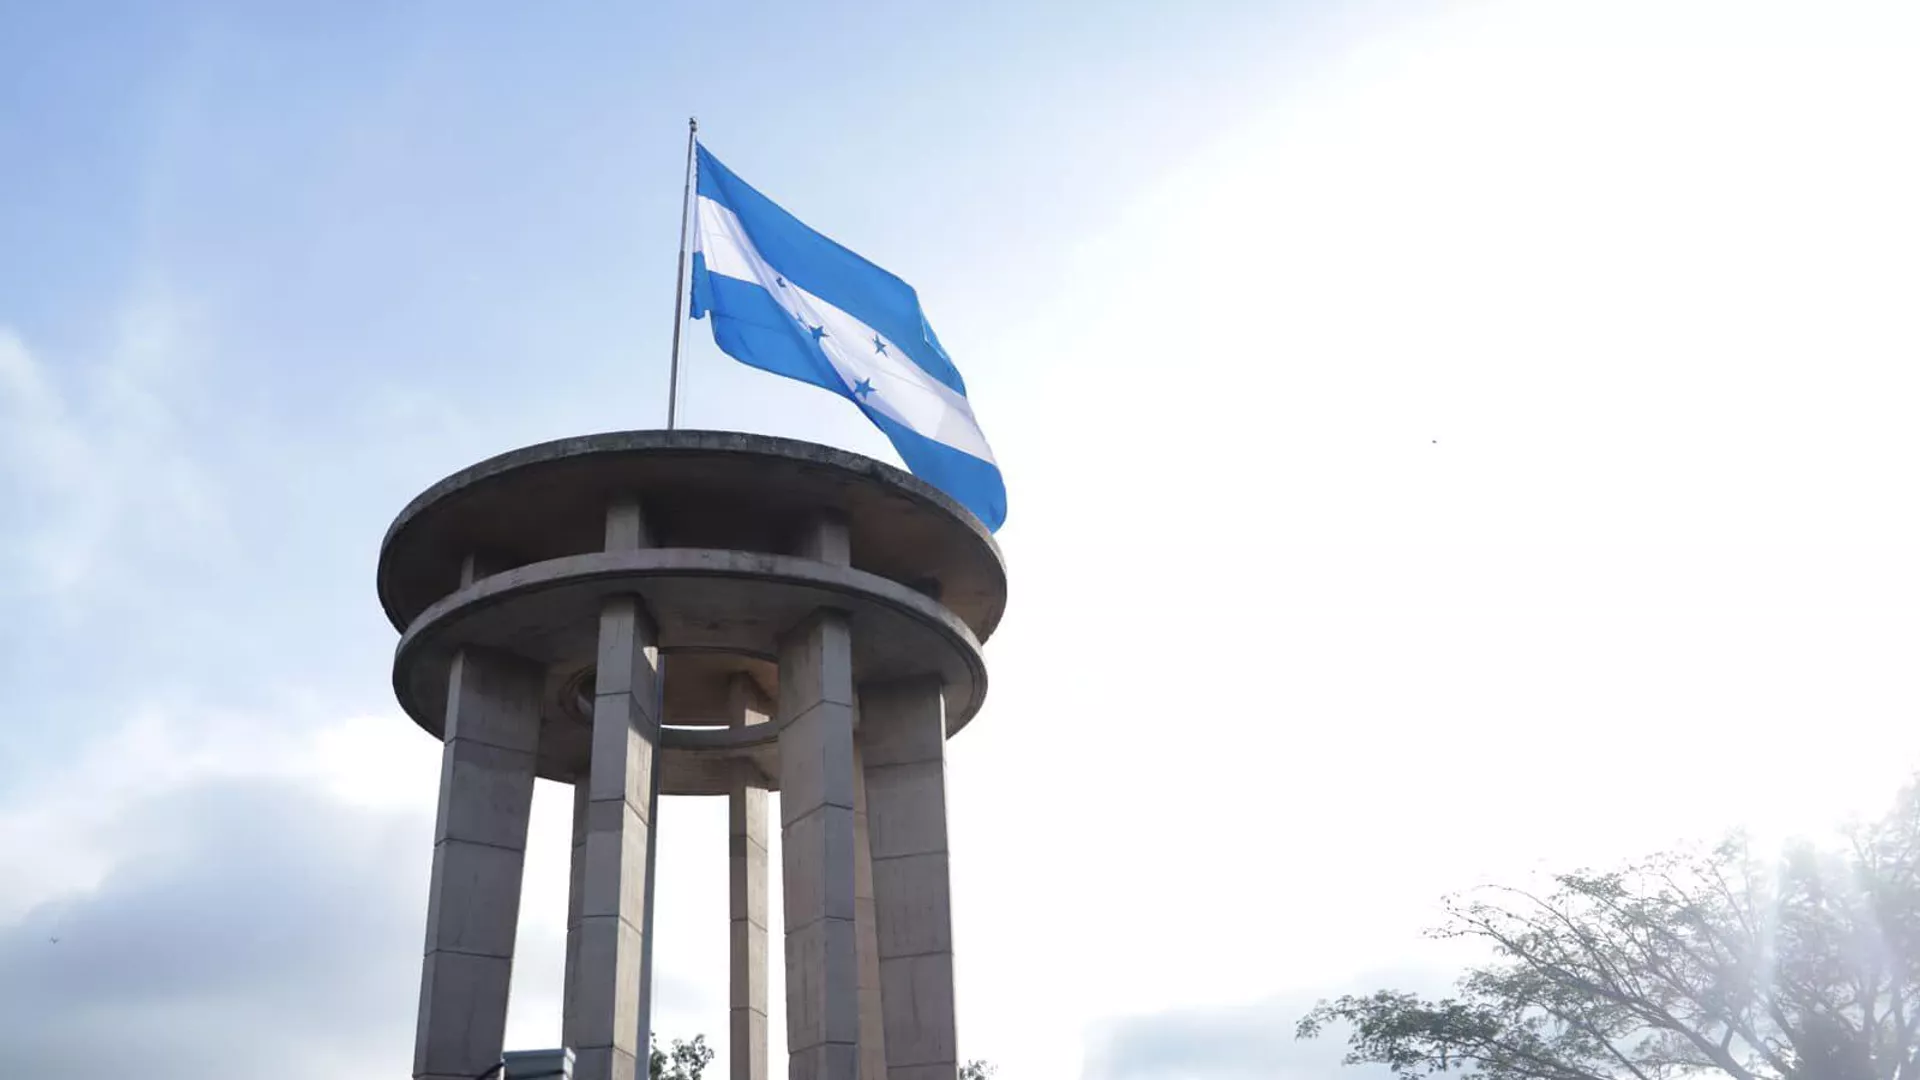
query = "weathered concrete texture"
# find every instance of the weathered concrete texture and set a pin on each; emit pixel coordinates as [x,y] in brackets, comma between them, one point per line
[873,1055]
[480,839]
[608,1032]
[827,538]
[903,742]
[817,847]
[747,902]
[627,528]
[576,873]
[702,489]
[730,601]
[609,1062]
[559,604]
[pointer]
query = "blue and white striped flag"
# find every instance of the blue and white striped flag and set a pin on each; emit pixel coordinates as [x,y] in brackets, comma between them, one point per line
[788,300]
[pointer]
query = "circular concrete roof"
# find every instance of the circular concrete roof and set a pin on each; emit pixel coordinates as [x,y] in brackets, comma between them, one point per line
[731,602]
[700,489]
[726,601]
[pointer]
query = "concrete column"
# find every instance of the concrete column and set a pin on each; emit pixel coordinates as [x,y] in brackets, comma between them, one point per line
[903,744]
[747,900]
[816,834]
[576,871]
[873,1054]
[480,840]
[479,564]
[610,1040]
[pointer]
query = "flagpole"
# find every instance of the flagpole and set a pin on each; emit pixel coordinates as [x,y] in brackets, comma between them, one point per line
[660,674]
[680,279]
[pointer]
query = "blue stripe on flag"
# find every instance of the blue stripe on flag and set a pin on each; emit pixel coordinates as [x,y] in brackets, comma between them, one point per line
[973,483]
[829,271]
[752,327]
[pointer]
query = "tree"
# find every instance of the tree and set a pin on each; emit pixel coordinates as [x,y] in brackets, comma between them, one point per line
[1797,965]
[686,1061]
[977,1070]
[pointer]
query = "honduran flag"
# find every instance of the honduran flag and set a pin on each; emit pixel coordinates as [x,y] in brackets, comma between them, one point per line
[788,300]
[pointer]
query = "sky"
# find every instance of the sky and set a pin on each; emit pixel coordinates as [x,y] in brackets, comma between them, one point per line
[1445,443]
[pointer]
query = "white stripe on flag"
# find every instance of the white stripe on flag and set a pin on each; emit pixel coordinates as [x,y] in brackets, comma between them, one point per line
[900,389]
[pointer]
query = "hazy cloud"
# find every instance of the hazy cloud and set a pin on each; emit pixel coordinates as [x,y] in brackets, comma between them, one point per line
[92,454]
[1246,1042]
[248,923]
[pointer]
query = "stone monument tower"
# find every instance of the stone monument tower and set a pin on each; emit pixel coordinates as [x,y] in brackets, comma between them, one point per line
[653,613]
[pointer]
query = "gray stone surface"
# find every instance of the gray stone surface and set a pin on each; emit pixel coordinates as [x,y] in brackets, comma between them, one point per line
[486,700]
[873,1052]
[473,898]
[747,899]
[816,722]
[701,489]
[822,985]
[911,824]
[576,885]
[829,1062]
[608,1028]
[903,745]
[748,1027]
[473,895]
[485,793]
[827,538]
[691,612]
[724,601]
[917,890]
[918,994]
[817,842]
[463,1014]
[606,1062]
[626,525]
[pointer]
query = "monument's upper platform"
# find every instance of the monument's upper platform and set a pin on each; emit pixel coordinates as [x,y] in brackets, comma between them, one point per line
[699,489]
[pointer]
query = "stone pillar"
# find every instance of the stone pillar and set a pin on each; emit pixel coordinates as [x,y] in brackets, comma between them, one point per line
[747,900]
[609,1040]
[903,745]
[873,1054]
[576,870]
[480,839]
[816,834]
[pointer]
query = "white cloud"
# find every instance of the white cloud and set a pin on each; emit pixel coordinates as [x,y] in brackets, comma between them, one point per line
[72,841]
[1487,455]
[60,832]
[98,457]
[1252,1041]
[244,921]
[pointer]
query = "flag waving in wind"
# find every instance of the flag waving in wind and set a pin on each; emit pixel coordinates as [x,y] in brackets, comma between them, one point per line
[788,300]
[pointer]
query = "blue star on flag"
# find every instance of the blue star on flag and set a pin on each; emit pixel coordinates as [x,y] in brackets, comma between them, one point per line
[879,346]
[862,388]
